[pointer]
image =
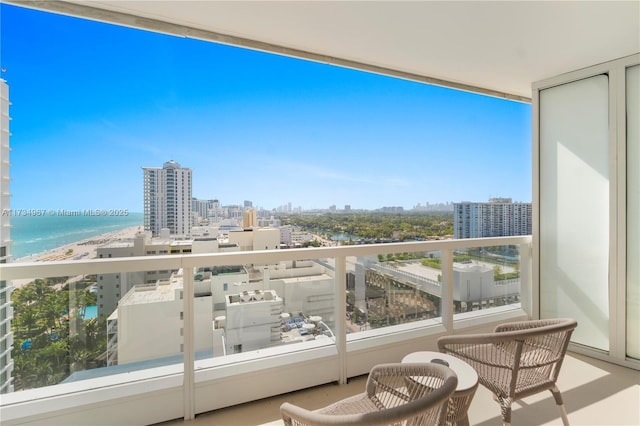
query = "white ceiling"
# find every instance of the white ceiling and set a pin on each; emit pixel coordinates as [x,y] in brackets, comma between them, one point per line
[500,46]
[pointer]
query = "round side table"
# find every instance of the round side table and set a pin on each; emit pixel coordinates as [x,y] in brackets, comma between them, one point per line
[467,383]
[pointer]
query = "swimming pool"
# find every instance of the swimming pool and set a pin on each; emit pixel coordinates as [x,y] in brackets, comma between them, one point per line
[90,312]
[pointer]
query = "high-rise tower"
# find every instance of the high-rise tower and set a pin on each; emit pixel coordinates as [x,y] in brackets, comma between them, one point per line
[167,199]
[498,218]
[6,312]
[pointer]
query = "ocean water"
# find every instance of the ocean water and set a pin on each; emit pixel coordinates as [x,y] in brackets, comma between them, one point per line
[35,234]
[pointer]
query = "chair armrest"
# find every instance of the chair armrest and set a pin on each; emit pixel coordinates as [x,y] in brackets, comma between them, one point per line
[302,416]
[290,412]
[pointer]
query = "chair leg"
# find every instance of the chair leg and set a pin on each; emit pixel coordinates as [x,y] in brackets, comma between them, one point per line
[558,397]
[505,408]
[464,421]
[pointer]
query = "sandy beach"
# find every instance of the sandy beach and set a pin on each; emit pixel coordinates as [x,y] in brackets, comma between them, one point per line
[85,249]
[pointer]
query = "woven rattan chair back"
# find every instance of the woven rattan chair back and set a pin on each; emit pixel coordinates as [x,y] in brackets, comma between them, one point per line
[396,394]
[517,360]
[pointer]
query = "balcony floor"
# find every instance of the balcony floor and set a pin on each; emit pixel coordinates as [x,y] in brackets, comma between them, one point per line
[595,393]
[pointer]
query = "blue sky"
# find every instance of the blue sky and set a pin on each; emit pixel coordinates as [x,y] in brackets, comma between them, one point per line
[92,103]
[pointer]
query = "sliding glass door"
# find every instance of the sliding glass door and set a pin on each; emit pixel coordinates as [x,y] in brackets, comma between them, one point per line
[587,206]
[574,207]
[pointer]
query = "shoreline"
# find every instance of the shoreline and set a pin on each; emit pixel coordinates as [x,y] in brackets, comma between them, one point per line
[83,249]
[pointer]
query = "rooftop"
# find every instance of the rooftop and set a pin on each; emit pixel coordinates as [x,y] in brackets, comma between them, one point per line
[162,291]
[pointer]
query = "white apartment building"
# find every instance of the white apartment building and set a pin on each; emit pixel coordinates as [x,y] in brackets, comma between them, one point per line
[135,334]
[167,199]
[300,237]
[6,311]
[499,217]
[285,234]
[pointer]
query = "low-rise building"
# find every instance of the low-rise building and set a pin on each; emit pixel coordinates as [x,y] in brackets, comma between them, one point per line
[235,310]
[256,239]
[253,320]
[136,334]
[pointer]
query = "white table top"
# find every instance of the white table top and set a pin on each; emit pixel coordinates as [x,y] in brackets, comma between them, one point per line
[467,376]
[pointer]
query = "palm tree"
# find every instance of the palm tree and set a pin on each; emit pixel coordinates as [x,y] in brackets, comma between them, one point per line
[81,360]
[58,352]
[27,319]
[44,372]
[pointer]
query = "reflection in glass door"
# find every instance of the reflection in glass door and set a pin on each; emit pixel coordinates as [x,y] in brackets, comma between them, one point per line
[633,211]
[574,207]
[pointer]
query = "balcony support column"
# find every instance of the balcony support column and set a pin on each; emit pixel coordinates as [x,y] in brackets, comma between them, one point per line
[189,346]
[446,289]
[341,317]
[526,280]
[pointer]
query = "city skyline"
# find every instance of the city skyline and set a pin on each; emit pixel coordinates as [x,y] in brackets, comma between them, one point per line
[89,111]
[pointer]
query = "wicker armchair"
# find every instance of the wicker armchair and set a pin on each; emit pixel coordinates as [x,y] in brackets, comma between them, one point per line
[391,397]
[517,360]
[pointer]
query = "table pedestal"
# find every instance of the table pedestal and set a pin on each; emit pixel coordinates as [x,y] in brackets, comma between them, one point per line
[467,383]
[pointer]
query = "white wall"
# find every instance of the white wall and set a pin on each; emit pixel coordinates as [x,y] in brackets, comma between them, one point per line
[266,239]
[153,330]
[244,239]
[250,324]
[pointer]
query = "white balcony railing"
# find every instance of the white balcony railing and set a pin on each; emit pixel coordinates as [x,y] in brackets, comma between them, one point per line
[199,384]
